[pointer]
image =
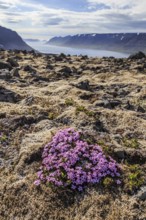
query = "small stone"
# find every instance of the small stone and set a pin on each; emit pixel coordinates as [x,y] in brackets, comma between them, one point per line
[27,101]
[2,115]
[142,193]
[98,126]
[140,109]
[120,153]
[99,103]
[83,85]
[111,104]
[50,67]
[117,137]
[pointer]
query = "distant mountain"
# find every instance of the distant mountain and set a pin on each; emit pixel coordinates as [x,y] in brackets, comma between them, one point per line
[128,42]
[32,40]
[11,40]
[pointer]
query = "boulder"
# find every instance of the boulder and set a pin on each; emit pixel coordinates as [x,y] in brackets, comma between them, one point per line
[8,96]
[17,121]
[12,62]
[65,71]
[62,55]
[137,56]
[119,153]
[58,58]
[5,65]
[29,68]
[99,126]
[5,74]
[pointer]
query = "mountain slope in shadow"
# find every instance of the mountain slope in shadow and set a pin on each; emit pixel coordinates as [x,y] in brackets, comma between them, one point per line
[11,40]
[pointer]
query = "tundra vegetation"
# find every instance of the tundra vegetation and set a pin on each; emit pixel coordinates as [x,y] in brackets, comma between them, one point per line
[79,123]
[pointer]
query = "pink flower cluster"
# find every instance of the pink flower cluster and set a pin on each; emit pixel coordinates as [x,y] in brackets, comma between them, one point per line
[69,161]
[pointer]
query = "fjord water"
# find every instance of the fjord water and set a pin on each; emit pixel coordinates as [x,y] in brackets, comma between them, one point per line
[46,48]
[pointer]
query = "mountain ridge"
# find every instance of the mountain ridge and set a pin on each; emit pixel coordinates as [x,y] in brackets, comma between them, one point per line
[124,42]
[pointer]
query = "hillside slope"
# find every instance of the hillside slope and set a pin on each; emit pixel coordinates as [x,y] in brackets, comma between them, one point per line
[11,40]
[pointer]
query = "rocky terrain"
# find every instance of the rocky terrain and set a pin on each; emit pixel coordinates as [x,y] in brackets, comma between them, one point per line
[11,40]
[124,42]
[105,98]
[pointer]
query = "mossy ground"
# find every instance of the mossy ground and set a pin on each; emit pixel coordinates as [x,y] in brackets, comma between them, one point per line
[51,100]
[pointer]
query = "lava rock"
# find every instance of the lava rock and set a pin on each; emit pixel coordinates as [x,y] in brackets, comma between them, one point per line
[140,109]
[128,106]
[17,121]
[110,104]
[62,55]
[137,56]
[83,85]
[120,153]
[8,96]
[29,68]
[65,71]
[13,62]
[50,67]
[5,65]
[27,101]
[139,68]
[98,126]
[15,72]
[86,96]
[142,194]
[2,115]
[34,157]
[5,74]
[58,58]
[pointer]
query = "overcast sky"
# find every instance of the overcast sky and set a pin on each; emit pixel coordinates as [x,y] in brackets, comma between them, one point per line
[47,18]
